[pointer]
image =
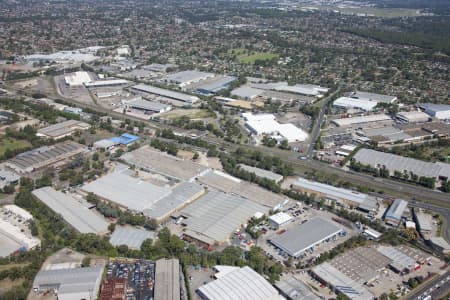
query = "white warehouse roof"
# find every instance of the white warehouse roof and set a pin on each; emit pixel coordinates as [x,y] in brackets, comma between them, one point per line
[362,104]
[77,78]
[240,283]
[266,124]
[165,93]
[280,218]
[18,211]
[373,97]
[361,119]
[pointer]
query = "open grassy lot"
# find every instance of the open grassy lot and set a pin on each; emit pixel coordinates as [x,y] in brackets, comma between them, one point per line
[12,144]
[194,113]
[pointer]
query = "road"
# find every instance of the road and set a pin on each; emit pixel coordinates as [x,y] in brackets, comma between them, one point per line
[437,286]
[316,129]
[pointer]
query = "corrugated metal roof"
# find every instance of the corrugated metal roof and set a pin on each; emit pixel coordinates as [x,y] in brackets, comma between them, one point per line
[167,279]
[165,93]
[242,283]
[304,236]
[400,261]
[373,97]
[262,173]
[217,215]
[73,212]
[132,237]
[347,102]
[396,209]
[296,289]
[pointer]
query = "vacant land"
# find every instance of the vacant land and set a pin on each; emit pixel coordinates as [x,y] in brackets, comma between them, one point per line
[12,144]
[258,56]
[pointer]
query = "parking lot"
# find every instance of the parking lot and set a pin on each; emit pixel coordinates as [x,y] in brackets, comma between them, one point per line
[140,275]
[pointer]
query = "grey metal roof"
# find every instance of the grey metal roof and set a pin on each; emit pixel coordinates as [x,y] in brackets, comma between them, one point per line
[341,282]
[394,162]
[440,242]
[396,209]
[241,283]
[373,97]
[63,128]
[73,212]
[400,261]
[147,105]
[167,279]
[424,221]
[126,190]
[246,92]
[165,93]
[220,83]
[216,215]
[431,107]
[132,237]
[8,245]
[188,76]
[262,173]
[295,289]
[67,281]
[181,194]
[304,236]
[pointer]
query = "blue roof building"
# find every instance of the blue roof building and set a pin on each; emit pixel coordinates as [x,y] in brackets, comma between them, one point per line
[125,139]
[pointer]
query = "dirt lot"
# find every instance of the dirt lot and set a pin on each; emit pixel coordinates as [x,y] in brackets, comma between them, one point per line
[7,284]
[197,277]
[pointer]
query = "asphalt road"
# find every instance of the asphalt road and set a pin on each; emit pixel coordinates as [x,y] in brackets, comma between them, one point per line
[436,287]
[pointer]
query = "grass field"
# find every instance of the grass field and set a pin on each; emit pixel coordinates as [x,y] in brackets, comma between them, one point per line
[12,144]
[190,113]
[248,57]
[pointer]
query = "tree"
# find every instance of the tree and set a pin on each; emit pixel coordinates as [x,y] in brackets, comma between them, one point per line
[151,224]
[196,156]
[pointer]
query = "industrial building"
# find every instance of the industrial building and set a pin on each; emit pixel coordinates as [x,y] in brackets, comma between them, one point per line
[61,130]
[377,118]
[125,139]
[167,279]
[7,178]
[352,103]
[19,212]
[395,212]
[154,161]
[189,99]
[215,216]
[340,283]
[302,89]
[105,83]
[423,222]
[12,239]
[438,111]
[379,98]
[279,220]
[440,244]
[295,289]
[70,284]
[147,106]
[306,236]
[246,92]
[232,185]
[72,211]
[233,283]
[265,124]
[392,163]
[412,117]
[262,173]
[184,78]
[342,196]
[161,68]
[45,156]
[130,236]
[214,85]
[77,78]
[400,262]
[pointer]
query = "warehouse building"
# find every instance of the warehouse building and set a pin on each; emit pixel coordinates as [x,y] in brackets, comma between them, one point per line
[63,129]
[130,236]
[147,106]
[246,92]
[45,156]
[189,99]
[295,289]
[412,117]
[342,196]
[72,211]
[18,212]
[70,284]
[7,178]
[238,283]
[212,86]
[167,279]
[262,173]
[395,212]
[279,220]
[378,118]
[379,98]
[400,262]
[77,78]
[265,124]
[340,283]
[13,239]
[184,78]
[423,222]
[306,236]
[439,111]
[214,217]
[392,163]
[352,103]
[105,83]
[153,161]
[440,244]
[302,89]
